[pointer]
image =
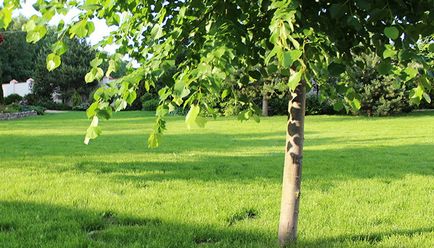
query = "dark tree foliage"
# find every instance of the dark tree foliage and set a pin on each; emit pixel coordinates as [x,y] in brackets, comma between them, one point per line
[16,57]
[68,79]
[218,46]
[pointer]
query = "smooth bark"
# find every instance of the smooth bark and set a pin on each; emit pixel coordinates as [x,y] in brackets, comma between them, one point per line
[264,105]
[292,167]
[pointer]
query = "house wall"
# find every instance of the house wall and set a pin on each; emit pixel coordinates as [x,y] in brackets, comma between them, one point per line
[21,89]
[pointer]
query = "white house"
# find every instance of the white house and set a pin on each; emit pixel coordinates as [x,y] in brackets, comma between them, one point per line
[20,88]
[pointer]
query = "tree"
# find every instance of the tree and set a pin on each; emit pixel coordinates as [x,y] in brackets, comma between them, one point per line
[16,55]
[68,79]
[378,93]
[211,43]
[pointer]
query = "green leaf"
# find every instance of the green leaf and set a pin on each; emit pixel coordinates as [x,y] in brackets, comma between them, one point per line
[255,74]
[411,73]
[105,113]
[225,93]
[271,54]
[131,97]
[49,13]
[294,79]
[337,10]
[59,48]
[244,115]
[90,28]
[426,97]
[384,67]
[95,62]
[355,104]
[94,74]
[200,121]
[112,68]
[289,57]
[93,132]
[153,140]
[99,73]
[157,32]
[391,32]
[29,26]
[89,77]
[79,29]
[364,4]
[336,69]
[6,16]
[192,115]
[91,111]
[120,104]
[256,118]
[354,22]
[37,33]
[417,94]
[431,47]
[405,54]
[53,61]
[338,106]
[389,53]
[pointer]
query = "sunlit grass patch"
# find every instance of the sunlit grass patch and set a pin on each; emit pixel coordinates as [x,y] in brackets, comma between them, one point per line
[366,182]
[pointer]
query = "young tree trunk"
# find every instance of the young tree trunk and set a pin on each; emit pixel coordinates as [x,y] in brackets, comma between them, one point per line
[292,167]
[264,105]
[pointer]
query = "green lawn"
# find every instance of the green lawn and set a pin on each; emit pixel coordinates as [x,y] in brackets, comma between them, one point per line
[366,182]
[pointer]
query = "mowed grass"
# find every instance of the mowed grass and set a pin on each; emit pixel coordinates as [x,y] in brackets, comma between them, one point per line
[367,182]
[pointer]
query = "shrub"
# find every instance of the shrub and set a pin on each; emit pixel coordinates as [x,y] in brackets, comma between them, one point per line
[150,105]
[76,99]
[2,100]
[31,99]
[81,107]
[426,105]
[148,96]
[230,108]
[278,105]
[38,109]
[314,105]
[13,98]
[11,108]
[48,104]
[381,97]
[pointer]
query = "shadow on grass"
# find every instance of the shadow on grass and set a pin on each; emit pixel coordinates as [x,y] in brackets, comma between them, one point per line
[384,162]
[323,165]
[367,240]
[24,224]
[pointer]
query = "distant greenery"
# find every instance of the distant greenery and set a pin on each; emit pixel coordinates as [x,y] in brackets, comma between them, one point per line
[21,60]
[68,79]
[1,91]
[17,57]
[15,107]
[12,98]
[380,95]
[361,188]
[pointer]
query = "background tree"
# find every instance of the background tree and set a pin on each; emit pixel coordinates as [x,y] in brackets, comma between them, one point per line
[308,39]
[380,95]
[68,79]
[16,55]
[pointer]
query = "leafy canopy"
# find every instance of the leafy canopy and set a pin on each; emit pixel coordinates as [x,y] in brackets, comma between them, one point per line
[218,47]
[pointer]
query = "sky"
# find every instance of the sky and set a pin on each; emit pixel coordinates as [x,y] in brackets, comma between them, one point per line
[101,29]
